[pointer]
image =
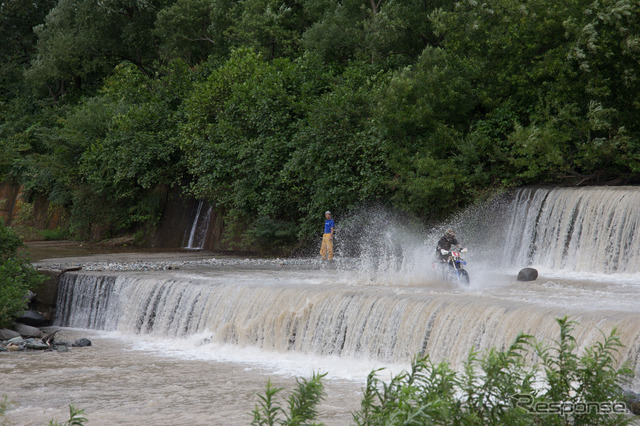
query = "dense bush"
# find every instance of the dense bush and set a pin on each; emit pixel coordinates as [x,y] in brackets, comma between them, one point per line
[17,277]
[496,387]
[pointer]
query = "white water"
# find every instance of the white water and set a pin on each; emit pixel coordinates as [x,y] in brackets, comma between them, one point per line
[387,305]
[326,319]
[585,230]
[199,227]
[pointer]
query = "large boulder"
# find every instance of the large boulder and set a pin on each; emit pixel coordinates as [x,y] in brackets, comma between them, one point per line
[6,334]
[32,318]
[35,344]
[527,274]
[81,343]
[27,330]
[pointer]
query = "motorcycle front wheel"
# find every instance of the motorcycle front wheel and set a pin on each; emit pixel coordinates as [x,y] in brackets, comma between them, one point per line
[464,276]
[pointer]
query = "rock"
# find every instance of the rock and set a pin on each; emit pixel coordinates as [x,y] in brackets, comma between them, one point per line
[15,341]
[6,334]
[27,330]
[81,343]
[34,344]
[62,348]
[527,274]
[30,297]
[33,318]
[60,343]
[13,348]
[632,400]
[2,349]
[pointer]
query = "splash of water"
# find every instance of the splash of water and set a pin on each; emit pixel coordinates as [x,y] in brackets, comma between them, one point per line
[391,249]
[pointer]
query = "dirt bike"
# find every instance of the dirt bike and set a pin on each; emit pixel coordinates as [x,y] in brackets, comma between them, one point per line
[455,265]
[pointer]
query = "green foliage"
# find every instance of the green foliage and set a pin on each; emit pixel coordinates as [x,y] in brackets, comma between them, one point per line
[55,234]
[17,277]
[194,29]
[80,41]
[238,137]
[271,27]
[272,234]
[125,172]
[421,118]
[275,111]
[489,389]
[435,393]
[17,19]
[339,159]
[76,418]
[302,403]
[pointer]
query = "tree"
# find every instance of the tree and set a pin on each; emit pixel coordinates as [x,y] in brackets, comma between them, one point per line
[81,41]
[272,27]
[17,277]
[17,19]
[605,49]
[194,29]
[388,33]
[422,117]
[126,170]
[339,162]
[237,136]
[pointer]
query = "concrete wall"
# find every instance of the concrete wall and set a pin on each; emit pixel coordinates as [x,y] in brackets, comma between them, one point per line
[177,217]
[12,204]
[8,200]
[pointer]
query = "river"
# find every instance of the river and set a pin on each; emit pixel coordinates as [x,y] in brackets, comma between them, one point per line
[193,345]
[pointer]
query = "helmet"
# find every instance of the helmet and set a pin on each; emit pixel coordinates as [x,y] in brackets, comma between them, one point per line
[327,212]
[450,233]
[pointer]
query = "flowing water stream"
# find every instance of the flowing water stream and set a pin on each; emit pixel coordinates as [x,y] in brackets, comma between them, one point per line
[213,334]
[196,234]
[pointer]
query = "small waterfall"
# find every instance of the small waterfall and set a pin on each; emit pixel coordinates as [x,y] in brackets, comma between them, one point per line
[356,322]
[593,229]
[196,235]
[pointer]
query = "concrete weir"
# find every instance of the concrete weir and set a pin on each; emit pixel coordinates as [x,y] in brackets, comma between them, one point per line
[47,291]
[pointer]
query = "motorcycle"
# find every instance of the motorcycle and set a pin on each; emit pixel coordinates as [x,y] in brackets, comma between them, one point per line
[455,265]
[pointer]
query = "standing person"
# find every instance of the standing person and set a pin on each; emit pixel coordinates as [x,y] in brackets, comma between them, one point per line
[326,251]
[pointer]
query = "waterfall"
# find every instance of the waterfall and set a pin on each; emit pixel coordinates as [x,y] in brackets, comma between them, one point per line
[197,234]
[347,321]
[328,312]
[593,229]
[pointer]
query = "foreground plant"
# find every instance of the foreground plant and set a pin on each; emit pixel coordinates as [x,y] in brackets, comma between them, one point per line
[5,404]
[302,403]
[76,418]
[497,387]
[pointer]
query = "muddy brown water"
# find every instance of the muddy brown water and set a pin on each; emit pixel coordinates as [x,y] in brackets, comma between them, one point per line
[117,385]
[211,374]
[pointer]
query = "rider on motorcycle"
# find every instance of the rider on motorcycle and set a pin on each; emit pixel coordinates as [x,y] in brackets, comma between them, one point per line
[445,243]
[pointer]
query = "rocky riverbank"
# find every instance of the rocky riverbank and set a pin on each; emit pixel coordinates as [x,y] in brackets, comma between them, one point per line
[26,338]
[157,265]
